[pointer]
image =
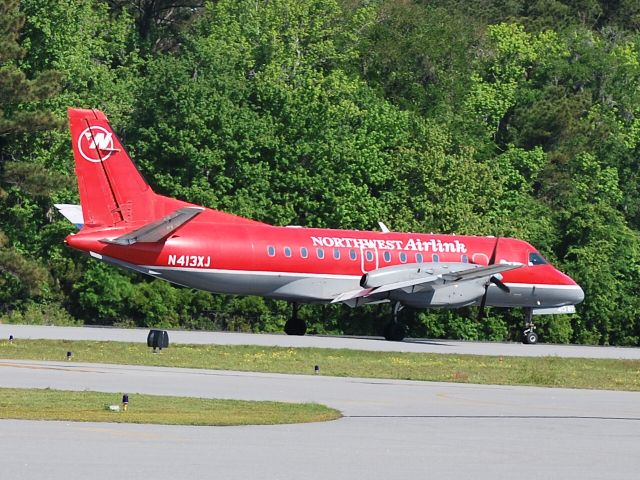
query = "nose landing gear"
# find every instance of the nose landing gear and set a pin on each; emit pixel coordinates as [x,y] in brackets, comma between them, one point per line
[529,336]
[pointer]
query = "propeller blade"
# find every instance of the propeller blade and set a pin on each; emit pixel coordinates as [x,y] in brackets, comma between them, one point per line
[498,283]
[492,260]
[483,302]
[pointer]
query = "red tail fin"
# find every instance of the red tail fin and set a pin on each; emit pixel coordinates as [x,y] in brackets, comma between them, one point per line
[111,188]
[112,191]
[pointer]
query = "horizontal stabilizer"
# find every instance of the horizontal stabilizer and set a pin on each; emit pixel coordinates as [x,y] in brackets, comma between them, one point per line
[158,230]
[73,213]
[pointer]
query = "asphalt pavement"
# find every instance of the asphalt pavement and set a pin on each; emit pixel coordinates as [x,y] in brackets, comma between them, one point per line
[390,429]
[356,343]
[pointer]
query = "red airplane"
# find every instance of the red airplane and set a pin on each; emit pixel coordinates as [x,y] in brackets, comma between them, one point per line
[124,223]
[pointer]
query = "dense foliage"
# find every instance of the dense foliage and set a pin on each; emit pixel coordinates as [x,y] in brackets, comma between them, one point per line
[518,118]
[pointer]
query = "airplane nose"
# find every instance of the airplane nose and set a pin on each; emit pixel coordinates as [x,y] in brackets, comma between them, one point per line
[578,295]
[573,293]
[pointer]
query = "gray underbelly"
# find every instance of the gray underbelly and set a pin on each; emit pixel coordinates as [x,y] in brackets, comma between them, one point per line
[298,287]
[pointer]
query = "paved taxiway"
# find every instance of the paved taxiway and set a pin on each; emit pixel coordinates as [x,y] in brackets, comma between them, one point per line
[369,343]
[391,429]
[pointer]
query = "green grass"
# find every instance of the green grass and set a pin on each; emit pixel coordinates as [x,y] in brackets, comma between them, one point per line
[49,404]
[541,371]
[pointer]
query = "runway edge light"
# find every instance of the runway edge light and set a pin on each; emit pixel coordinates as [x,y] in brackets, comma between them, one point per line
[125,402]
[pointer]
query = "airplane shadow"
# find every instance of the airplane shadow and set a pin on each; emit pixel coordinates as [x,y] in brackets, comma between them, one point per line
[418,341]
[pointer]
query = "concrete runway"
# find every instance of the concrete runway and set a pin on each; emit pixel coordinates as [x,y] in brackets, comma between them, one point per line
[391,430]
[368,343]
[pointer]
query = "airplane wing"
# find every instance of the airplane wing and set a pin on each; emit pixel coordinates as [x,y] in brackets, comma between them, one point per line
[442,274]
[480,271]
[158,230]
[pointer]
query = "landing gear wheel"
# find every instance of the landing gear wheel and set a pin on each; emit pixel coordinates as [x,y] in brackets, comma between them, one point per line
[529,336]
[395,332]
[295,327]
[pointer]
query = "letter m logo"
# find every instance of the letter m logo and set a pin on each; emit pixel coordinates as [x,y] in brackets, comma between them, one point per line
[101,141]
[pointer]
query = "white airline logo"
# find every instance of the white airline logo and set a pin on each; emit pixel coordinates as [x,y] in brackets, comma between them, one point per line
[415,244]
[96,144]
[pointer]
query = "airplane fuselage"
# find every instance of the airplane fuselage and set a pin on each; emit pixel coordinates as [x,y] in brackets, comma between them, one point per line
[315,265]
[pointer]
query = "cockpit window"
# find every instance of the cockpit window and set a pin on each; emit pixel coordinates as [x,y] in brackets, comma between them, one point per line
[536,259]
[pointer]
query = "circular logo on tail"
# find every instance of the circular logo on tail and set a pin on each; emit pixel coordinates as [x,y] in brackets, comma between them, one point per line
[96,144]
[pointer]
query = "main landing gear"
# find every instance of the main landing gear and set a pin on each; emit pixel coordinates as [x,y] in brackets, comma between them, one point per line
[529,336]
[395,330]
[295,325]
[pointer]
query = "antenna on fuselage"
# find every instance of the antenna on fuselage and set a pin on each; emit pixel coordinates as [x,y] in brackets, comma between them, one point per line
[384,228]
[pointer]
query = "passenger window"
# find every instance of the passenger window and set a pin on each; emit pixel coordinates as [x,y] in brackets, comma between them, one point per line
[435,258]
[403,257]
[465,259]
[419,258]
[304,253]
[352,254]
[387,256]
[287,252]
[369,256]
[536,259]
[336,254]
[320,253]
[271,251]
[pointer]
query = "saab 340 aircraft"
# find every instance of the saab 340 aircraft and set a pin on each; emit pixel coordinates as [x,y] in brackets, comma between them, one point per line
[124,223]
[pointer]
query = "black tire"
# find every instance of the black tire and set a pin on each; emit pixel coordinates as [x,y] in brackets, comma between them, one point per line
[530,338]
[295,327]
[395,332]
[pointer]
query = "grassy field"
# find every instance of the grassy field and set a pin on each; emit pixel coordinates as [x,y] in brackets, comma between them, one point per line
[542,371]
[93,407]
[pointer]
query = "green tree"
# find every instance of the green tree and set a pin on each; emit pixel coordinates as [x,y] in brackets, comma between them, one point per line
[21,113]
[158,23]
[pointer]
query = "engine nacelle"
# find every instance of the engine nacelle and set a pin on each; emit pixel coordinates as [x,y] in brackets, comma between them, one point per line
[449,295]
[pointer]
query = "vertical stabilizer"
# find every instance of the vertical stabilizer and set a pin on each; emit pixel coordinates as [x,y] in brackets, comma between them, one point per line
[112,191]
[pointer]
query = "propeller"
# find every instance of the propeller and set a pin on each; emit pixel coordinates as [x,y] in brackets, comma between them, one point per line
[493,279]
[498,283]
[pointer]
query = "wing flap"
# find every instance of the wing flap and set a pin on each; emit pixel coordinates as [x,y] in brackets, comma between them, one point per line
[351,295]
[365,292]
[158,230]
